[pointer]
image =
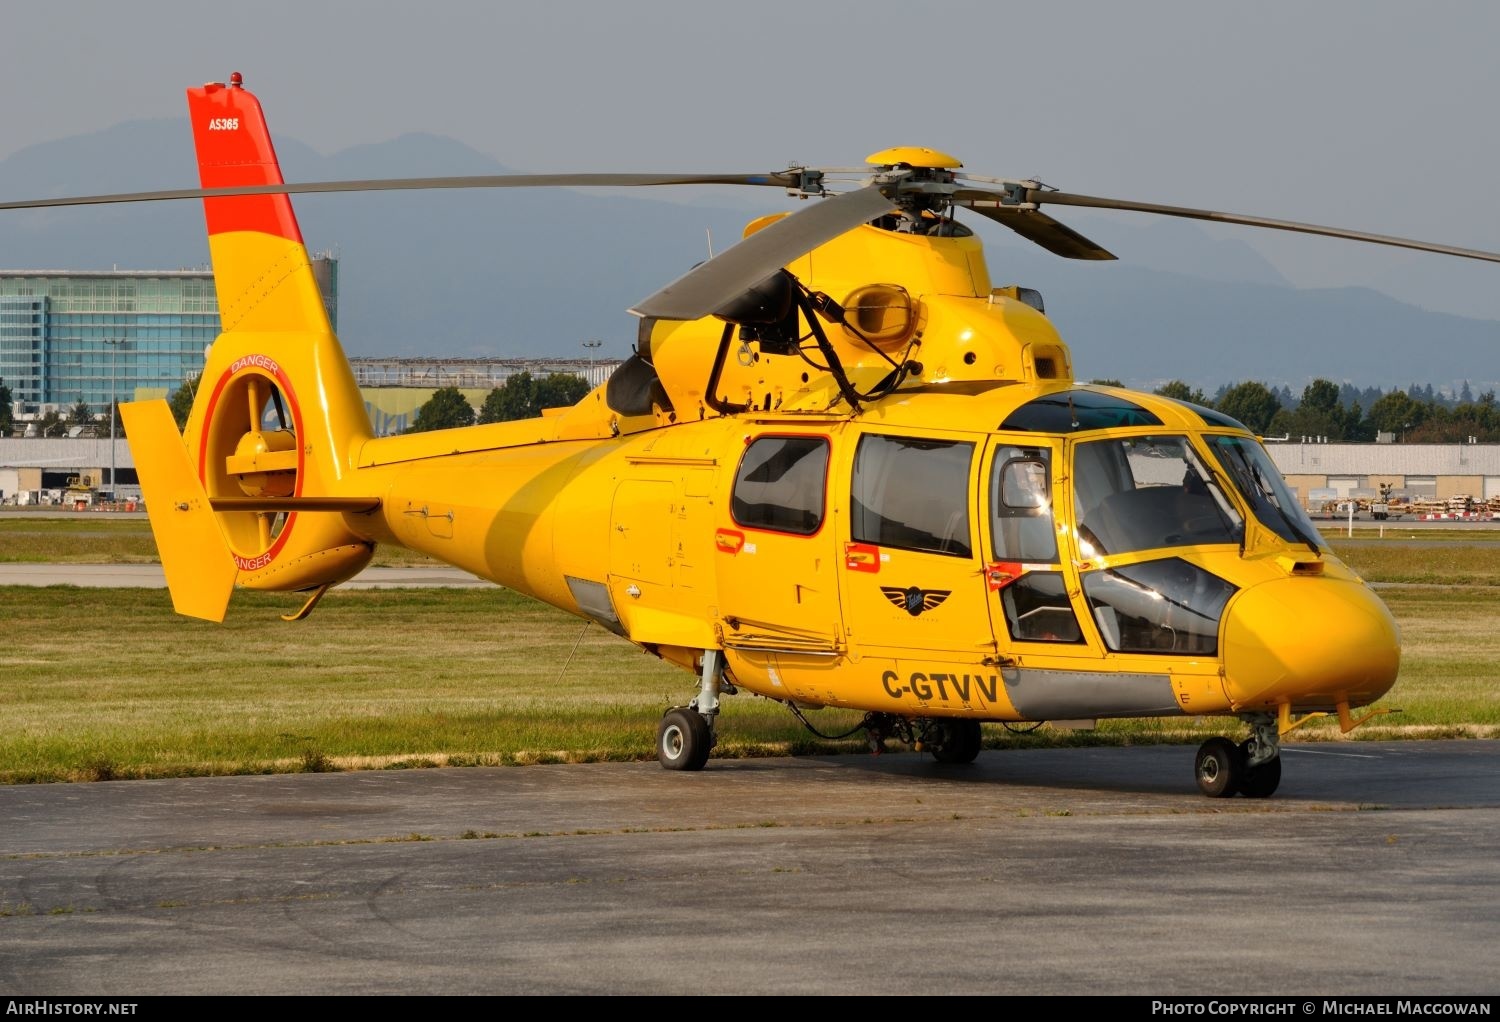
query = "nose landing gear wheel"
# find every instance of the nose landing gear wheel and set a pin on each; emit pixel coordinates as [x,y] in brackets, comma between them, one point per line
[1220,768]
[683,740]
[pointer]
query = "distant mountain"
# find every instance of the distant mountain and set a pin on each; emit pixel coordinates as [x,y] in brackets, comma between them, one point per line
[1146,327]
[535,272]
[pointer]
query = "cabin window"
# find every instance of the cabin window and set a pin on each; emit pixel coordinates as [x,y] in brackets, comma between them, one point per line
[1021,505]
[1037,609]
[912,494]
[781,484]
[1145,492]
[1167,606]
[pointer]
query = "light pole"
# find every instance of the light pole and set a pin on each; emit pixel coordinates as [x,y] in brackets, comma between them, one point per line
[592,345]
[114,350]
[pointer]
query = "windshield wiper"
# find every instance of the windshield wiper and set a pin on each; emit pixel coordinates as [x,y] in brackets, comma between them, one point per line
[1220,488]
[1270,497]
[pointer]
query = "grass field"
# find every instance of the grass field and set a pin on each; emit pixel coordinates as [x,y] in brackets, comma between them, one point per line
[99,538]
[109,683]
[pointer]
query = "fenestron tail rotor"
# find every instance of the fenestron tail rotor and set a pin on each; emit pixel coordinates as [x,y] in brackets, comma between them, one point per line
[251,457]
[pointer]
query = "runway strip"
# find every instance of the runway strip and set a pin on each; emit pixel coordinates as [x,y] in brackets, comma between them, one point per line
[149,576]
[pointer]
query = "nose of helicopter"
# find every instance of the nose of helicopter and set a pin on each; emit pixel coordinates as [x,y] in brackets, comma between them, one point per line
[1309,642]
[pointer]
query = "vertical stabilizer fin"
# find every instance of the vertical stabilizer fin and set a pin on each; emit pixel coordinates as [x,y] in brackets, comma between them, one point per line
[261,268]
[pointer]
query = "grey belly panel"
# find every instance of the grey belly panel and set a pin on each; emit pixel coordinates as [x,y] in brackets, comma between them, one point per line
[1061,695]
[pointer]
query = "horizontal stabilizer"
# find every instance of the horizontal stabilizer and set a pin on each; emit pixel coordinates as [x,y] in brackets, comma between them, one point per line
[345,505]
[195,556]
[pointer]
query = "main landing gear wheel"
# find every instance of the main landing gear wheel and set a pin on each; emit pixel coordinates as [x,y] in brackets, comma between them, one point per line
[1220,768]
[683,739]
[959,742]
[1259,781]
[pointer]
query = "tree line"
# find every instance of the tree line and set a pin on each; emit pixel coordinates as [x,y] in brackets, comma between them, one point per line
[53,423]
[1325,409]
[522,396]
[1331,412]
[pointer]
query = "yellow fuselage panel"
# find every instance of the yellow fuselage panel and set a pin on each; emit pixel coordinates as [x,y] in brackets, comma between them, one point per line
[629,513]
[924,264]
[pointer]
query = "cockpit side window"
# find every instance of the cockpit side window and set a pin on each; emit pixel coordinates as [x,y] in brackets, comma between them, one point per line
[913,494]
[1148,492]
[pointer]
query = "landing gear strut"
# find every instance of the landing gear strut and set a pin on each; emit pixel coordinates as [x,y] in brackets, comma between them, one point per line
[1252,768]
[686,733]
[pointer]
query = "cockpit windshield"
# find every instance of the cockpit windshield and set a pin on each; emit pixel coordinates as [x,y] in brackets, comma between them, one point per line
[1268,495]
[1148,492]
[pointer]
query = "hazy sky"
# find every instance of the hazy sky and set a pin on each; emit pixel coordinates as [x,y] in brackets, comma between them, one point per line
[1367,114]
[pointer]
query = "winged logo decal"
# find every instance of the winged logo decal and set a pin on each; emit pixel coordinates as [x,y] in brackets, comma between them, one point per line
[915,600]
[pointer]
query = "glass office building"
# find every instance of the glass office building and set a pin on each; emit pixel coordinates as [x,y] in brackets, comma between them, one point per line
[94,336]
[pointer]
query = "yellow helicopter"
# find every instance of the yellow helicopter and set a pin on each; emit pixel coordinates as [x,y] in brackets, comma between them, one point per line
[841,468]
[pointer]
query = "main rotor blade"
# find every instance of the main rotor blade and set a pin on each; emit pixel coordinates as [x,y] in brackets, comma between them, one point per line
[417,184]
[1033,225]
[710,284]
[1095,202]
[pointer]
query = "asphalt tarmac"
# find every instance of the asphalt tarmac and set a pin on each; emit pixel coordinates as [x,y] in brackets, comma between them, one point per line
[1372,872]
